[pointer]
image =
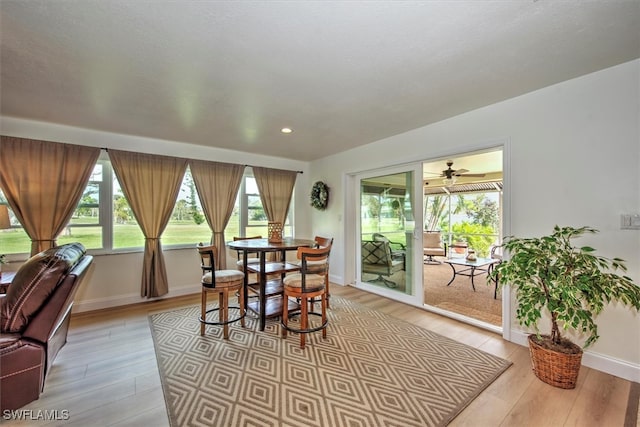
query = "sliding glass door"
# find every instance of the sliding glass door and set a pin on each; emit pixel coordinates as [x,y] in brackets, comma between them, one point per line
[387,232]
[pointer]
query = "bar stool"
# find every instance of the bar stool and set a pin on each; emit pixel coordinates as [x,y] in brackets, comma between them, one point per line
[322,242]
[252,259]
[304,286]
[222,282]
[321,266]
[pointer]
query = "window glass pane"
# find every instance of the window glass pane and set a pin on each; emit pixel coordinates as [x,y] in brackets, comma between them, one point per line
[256,218]
[188,224]
[126,232]
[84,225]
[251,185]
[468,218]
[233,226]
[15,239]
[88,211]
[90,237]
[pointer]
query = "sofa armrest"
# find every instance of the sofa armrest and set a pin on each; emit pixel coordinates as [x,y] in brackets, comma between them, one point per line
[22,365]
[7,340]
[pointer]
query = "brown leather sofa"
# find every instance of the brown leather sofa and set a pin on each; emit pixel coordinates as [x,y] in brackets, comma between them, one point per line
[34,320]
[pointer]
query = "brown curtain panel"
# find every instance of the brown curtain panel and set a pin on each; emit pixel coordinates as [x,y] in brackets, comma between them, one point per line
[43,182]
[151,184]
[217,185]
[276,189]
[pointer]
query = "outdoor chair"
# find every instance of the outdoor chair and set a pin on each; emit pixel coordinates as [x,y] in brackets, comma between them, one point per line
[377,259]
[432,246]
[495,253]
[398,250]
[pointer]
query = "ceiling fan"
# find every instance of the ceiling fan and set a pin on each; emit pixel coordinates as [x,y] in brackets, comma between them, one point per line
[450,173]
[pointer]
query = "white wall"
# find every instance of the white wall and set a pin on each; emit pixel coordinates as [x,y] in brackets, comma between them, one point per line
[574,160]
[115,278]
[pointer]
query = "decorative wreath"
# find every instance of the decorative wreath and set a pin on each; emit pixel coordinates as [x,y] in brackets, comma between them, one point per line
[319,195]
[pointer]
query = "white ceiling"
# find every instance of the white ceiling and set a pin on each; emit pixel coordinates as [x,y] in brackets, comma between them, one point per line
[230,74]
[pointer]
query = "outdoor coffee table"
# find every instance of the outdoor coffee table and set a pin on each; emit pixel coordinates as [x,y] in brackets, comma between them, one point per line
[471,269]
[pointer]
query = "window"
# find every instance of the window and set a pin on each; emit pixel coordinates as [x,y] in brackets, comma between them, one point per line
[469,218]
[103,220]
[187,225]
[248,218]
[87,222]
[15,239]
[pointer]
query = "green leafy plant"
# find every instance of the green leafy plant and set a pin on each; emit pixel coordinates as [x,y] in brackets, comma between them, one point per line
[3,259]
[572,283]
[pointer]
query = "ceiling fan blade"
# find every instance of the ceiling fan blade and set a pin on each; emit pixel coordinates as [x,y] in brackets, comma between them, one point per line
[460,171]
[476,175]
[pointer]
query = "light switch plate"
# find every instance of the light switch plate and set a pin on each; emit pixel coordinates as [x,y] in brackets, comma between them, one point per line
[630,222]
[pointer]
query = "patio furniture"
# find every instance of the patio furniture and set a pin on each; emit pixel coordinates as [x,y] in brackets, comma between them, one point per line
[472,269]
[398,250]
[432,245]
[377,259]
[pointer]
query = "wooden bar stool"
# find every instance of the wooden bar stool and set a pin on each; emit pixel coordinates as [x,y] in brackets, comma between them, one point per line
[304,286]
[222,282]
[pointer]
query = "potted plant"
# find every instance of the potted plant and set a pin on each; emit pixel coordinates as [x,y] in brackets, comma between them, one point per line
[569,284]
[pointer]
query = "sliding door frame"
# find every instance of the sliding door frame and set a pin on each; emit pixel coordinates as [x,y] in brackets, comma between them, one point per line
[414,297]
[352,226]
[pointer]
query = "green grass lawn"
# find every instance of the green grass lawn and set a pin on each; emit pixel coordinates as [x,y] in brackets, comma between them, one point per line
[16,241]
[390,227]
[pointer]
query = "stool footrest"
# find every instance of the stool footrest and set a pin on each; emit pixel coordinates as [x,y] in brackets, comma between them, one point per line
[206,322]
[308,330]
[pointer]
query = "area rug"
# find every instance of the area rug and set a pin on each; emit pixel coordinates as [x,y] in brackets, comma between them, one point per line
[371,370]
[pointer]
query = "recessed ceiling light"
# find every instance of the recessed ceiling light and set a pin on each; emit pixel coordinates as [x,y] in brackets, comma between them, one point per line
[286,130]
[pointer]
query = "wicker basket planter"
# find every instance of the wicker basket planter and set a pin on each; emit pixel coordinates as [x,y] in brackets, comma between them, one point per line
[553,367]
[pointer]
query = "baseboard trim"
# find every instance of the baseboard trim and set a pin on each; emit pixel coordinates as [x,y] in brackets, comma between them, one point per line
[122,300]
[600,362]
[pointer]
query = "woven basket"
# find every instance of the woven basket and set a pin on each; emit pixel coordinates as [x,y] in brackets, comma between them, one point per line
[553,367]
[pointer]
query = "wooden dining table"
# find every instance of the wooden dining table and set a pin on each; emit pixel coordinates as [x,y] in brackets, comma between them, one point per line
[269,286]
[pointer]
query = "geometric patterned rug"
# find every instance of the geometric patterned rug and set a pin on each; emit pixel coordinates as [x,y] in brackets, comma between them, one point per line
[371,370]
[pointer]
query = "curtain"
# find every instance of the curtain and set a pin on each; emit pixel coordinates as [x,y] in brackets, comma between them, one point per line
[151,184]
[217,185]
[43,182]
[276,188]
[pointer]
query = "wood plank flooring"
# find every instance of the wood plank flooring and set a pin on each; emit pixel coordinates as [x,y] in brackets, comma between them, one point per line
[107,374]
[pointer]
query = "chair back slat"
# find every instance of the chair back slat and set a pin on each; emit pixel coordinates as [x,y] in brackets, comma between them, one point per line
[208,255]
[323,241]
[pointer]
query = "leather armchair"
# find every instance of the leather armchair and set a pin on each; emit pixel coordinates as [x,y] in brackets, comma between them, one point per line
[34,320]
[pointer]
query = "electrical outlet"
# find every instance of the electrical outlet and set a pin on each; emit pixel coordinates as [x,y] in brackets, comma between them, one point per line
[630,222]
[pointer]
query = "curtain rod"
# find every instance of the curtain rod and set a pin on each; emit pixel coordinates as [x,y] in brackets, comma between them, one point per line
[300,172]
[251,166]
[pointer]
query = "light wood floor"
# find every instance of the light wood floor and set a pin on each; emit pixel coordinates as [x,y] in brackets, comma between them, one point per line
[107,374]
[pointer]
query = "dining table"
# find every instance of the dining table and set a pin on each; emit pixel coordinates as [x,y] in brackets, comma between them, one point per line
[269,287]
